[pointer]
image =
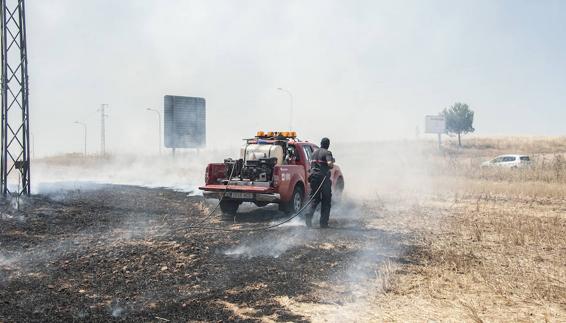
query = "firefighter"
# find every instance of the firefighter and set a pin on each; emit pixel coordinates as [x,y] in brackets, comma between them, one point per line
[320,183]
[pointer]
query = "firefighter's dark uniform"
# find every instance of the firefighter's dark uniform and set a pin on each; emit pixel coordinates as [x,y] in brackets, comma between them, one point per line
[320,171]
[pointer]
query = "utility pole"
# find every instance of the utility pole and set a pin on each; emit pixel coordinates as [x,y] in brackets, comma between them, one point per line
[103,116]
[159,126]
[15,152]
[84,126]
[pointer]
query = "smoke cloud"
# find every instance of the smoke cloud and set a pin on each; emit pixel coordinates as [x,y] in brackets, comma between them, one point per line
[376,67]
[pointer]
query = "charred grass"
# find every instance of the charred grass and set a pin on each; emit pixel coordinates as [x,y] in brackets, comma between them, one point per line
[122,253]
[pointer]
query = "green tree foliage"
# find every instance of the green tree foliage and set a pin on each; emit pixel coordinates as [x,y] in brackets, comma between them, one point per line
[459,119]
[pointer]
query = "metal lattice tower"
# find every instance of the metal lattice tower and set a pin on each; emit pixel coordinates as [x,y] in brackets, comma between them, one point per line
[15,158]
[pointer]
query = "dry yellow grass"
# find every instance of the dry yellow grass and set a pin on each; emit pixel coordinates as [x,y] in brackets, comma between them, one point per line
[498,251]
[487,146]
[507,257]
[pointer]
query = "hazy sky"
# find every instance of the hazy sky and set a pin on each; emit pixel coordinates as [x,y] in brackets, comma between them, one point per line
[359,70]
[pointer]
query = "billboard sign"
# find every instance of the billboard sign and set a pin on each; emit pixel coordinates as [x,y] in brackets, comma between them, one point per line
[435,124]
[185,122]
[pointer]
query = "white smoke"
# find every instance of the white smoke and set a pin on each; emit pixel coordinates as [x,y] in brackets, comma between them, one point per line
[73,173]
[273,244]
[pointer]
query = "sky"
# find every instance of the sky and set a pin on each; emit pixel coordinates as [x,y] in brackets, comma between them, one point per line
[357,70]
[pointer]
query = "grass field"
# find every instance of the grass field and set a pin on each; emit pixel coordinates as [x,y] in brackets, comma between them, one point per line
[423,235]
[491,243]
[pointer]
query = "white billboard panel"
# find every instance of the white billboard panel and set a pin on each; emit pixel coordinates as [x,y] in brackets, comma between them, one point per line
[435,124]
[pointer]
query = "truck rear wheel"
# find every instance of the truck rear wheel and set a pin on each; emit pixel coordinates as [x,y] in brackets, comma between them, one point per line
[229,207]
[296,202]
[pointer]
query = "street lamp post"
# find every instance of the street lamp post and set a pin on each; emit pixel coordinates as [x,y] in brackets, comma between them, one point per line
[159,125]
[291,107]
[84,126]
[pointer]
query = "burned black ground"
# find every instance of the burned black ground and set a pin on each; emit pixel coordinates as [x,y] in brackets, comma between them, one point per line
[128,253]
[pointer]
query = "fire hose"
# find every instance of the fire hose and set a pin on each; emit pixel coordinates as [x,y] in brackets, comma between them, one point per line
[219,201]
[258,229]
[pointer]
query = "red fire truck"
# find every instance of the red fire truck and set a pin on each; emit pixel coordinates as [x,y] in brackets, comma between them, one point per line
[273,167]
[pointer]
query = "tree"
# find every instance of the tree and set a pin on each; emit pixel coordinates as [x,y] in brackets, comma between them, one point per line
[459,119]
